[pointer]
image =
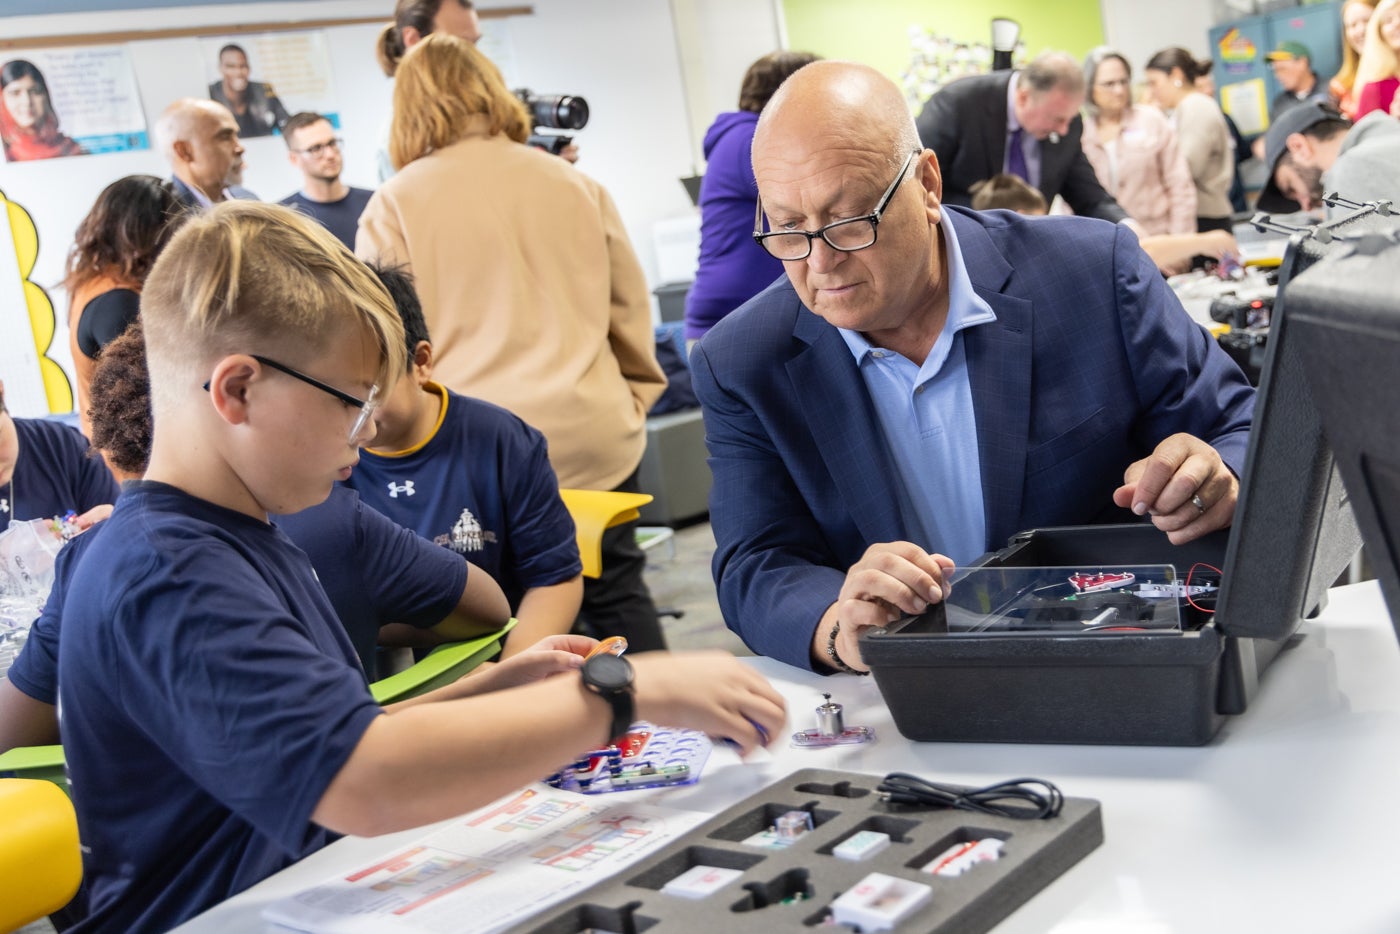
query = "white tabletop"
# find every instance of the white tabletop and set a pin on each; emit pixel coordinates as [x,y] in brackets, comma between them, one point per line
[1288,821]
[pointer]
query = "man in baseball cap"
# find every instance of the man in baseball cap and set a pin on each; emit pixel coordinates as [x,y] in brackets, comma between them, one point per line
[1292,64]
[1313,148]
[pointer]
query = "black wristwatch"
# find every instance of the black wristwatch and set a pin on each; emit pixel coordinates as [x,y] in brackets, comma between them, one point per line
[610,677]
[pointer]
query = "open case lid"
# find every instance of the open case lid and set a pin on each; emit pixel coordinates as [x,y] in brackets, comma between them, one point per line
[1346,320]
[1294,531]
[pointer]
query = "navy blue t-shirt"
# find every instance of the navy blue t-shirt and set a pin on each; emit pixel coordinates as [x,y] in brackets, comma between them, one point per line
[53,474]
[482,486]
[341,218]
[374,572]
[207,697]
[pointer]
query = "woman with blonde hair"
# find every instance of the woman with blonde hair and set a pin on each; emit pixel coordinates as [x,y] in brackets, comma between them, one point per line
[1134,150]
[1356,14]
[530,289]
[1378,73]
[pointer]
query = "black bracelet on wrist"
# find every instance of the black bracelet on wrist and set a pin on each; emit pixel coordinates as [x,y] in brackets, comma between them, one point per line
[835,659]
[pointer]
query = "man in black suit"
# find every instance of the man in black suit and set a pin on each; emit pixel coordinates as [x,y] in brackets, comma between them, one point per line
[972,123]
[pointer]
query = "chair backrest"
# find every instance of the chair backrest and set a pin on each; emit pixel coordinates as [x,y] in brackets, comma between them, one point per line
[443,665]
[40,863]
[594,512]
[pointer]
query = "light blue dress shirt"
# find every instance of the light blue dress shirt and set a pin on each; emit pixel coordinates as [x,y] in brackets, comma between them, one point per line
[927,420]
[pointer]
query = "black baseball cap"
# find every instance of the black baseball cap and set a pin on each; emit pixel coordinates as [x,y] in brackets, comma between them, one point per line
[1295,119]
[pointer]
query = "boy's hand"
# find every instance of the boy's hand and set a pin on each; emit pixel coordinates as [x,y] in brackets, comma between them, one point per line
[709,691]
[550,656]
[93,516]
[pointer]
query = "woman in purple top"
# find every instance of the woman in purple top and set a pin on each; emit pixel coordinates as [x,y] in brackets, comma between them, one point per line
[733,268]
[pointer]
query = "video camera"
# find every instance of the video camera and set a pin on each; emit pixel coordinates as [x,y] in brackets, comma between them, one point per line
[553,112]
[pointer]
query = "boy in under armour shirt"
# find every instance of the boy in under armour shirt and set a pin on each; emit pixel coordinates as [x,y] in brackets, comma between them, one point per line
[473,478]
[216,724]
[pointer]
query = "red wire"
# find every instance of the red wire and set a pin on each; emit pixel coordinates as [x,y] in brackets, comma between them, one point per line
[1200,564]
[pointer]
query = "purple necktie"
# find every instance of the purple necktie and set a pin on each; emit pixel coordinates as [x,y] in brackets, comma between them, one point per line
[1016,157]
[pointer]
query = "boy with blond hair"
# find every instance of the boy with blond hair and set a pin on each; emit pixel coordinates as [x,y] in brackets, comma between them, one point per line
[216,724]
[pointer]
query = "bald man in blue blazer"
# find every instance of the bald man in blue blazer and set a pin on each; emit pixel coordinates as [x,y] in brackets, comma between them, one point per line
[927,380]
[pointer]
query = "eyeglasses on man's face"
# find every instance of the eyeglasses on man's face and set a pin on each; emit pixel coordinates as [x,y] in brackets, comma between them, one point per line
[855,233]
[315,151]
[366,406]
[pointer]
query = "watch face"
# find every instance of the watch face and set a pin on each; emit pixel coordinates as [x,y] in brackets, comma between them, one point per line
[607,674]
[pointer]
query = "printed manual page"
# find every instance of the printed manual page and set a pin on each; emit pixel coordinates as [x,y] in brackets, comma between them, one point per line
[549,843]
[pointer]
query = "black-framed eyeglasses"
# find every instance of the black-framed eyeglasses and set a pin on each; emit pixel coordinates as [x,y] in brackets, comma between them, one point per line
[337,144]
[367,406]
[855,233]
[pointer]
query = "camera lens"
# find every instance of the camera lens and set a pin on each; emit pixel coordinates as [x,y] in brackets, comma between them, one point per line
[560,111]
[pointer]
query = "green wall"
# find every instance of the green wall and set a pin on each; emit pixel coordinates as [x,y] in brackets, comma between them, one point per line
[877,31]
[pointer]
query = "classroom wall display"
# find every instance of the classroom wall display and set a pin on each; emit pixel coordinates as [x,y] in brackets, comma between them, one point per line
[33,382]
[69,102]
[265,78]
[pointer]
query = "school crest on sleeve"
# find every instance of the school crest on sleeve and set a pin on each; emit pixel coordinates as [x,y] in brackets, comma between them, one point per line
[467,535]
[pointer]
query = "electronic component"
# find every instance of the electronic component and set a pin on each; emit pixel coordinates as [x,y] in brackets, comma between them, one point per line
[648,756]
[961,857]
[862,845]
[831,729]
[879,902]
[790,827]
[701,881]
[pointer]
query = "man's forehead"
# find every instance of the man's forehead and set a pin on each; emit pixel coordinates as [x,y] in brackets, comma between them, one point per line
[786,176]
[319,132]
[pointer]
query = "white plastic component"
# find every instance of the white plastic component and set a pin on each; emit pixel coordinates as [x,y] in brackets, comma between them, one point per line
[861,846]
[879,902]
[961,857]
[700,881]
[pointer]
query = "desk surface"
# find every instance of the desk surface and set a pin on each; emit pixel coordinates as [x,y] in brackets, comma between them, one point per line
[1288,821]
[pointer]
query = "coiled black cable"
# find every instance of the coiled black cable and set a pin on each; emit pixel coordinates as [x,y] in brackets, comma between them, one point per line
[1042,799]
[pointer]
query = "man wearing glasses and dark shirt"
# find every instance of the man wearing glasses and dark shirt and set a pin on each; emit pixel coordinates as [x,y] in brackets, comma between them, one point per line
[929,380]
[315,150]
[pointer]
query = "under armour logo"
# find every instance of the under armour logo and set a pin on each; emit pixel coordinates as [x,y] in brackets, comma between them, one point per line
[406,488]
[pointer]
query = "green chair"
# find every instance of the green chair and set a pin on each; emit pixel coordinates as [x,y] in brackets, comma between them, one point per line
[443,665]
[42,762]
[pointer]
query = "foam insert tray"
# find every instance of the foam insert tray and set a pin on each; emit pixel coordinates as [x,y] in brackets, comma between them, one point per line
[791,889]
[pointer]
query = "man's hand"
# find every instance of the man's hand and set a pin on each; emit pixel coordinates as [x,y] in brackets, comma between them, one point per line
[1184,486]
[891,579]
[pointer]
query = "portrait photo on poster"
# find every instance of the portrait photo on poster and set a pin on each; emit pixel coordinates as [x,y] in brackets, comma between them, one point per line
[69,102]
[264,79]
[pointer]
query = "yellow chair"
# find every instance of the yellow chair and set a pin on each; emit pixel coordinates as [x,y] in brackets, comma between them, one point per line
[594,512]
[40,864]
[443,665]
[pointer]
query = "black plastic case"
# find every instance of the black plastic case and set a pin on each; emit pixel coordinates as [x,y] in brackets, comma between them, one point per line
[1155,688]
[790,889]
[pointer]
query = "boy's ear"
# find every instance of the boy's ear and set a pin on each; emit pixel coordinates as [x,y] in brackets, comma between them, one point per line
[230,384]
[423,361]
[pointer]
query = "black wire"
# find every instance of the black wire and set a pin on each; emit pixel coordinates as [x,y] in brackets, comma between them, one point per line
[1043,798]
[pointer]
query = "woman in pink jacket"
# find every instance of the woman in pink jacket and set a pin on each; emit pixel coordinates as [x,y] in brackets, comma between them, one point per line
[1134,151]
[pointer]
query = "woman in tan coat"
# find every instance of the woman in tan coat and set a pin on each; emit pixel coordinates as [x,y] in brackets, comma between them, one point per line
[1200,129]
[531,291]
